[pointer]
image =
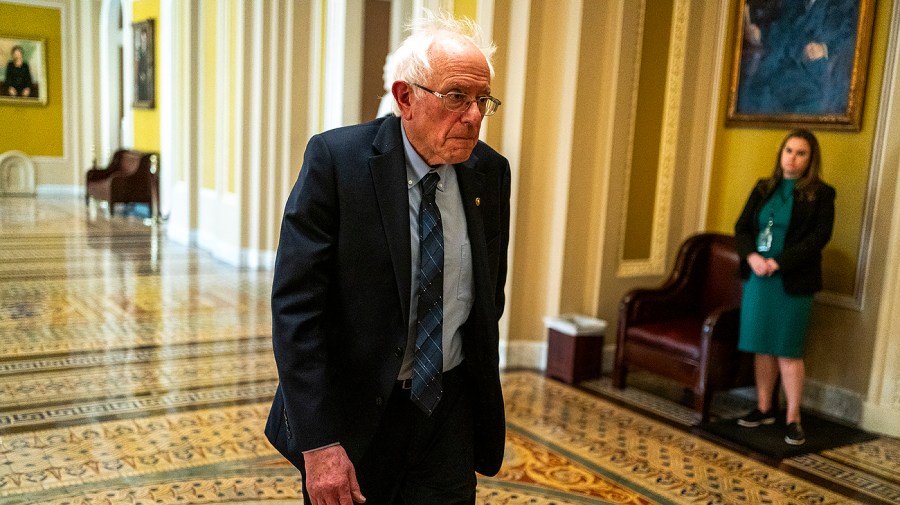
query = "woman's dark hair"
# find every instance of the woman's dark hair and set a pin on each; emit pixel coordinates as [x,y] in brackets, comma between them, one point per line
[810,180]
[14,49]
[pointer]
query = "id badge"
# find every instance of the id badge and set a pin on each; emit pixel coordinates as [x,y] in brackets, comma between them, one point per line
[764,240]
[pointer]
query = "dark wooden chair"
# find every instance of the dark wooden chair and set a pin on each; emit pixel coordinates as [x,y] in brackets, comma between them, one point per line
[687,329]
[131,177]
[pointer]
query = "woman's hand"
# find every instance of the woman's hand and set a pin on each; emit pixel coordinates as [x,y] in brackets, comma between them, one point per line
[759,265]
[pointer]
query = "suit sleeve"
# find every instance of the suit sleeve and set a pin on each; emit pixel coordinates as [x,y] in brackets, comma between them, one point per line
[745,229]
[798,254]
[500,295]
[303,274]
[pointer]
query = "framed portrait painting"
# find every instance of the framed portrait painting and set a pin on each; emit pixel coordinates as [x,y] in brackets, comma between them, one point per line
[144,73]
[800,63]
[23,76]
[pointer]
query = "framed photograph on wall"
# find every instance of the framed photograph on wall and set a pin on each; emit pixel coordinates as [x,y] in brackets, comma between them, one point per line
[23,75]
[800,63]
[144,74]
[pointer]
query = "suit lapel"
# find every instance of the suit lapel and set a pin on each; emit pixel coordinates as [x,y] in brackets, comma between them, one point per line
[388,171]
[471,184]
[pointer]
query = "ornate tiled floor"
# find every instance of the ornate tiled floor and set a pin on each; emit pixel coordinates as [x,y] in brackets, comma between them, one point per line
[135,370]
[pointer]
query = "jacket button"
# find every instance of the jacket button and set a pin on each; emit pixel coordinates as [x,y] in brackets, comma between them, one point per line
[398,351]
[378,401]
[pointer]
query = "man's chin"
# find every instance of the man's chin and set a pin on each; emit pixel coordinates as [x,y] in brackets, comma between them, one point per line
[461,153]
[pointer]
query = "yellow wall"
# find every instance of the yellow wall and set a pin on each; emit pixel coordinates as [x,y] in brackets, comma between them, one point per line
[146,121]
[34,129]
[648,130]
[466,9]
[742,155]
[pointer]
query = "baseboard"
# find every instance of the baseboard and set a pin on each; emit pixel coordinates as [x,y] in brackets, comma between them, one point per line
[881,418]
[258,260]
[533,355]
[59,190]
[523,354]
[835,402]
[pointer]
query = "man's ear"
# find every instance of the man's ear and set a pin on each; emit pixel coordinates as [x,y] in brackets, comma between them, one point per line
[402,92]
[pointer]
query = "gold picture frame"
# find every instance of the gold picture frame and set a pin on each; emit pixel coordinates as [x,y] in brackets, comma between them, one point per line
[23,75]
[800,63]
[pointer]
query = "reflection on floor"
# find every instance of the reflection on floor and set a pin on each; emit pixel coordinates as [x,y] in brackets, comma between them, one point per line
[136,370]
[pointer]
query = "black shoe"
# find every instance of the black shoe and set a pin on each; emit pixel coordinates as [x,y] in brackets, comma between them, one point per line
[756,418]
[795,435]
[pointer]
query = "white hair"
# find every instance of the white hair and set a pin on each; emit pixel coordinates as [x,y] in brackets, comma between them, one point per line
[411,61]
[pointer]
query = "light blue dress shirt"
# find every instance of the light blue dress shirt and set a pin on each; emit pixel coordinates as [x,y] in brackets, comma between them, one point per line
[457,257]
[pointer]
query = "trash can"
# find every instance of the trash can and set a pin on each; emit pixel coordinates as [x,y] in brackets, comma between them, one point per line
[574,347]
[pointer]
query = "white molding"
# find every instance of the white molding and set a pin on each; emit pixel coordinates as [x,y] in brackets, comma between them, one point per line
[881,408]
[833,401]
[59,189]
[168,116]
[514,118]
[532,355]
[316,102]
[523,354]
[110,51]
[126,138]
[258,260]
[343,63]
[225,80]
[484,14]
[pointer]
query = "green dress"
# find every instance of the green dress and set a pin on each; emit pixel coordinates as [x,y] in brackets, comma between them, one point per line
[772,321]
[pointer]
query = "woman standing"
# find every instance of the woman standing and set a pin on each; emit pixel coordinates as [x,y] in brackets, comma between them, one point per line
[780,235]
[18,75]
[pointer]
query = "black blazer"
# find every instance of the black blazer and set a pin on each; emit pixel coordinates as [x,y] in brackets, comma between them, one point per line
[341,291]
[810,229]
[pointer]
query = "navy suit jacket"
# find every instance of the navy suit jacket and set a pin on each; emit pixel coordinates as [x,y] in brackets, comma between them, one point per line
[341,292]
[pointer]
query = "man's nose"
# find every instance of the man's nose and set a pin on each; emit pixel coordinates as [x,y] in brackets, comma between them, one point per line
[469,115]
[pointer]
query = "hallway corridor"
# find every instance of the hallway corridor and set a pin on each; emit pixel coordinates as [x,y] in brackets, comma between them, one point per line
[136,370]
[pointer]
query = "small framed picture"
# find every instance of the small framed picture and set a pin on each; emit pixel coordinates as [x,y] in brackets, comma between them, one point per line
[23,79]
[144,75]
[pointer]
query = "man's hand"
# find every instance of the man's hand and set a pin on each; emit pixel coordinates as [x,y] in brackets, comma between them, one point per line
[330,477]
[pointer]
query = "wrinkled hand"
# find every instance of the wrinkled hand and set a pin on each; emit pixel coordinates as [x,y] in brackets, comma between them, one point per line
[762,267]
[331,478]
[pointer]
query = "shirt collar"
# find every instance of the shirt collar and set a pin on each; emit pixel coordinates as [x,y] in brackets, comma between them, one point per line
[416,168]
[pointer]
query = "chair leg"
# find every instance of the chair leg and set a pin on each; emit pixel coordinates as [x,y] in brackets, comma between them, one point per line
[620,371]
[702,402]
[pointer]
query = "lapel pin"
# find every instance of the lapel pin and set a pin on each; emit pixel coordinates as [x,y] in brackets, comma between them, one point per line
[477,201]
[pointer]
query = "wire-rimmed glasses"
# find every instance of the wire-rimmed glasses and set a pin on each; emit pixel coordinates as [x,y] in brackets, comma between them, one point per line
[460,102]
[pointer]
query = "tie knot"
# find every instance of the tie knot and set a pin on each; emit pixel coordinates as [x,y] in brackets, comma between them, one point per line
[429,183]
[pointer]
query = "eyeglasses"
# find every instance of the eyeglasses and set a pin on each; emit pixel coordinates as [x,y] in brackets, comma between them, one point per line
[460,102]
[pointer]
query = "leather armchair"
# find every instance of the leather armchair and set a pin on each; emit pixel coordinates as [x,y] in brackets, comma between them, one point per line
[687,329]
[131,177]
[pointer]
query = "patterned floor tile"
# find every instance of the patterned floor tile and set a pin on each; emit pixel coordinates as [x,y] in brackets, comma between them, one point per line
[135,371]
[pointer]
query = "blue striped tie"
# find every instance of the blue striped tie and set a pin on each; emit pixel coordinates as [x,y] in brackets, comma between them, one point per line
[428,364]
